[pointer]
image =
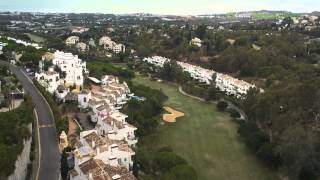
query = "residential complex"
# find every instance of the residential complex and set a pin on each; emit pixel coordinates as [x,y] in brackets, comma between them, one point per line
[105,151]
[50,79]
[112,152]
[107,148]
[73,68]
[82,47]
[157,60]
[105,101]
[107,43]
[72,40]
[224,82]
[18,41]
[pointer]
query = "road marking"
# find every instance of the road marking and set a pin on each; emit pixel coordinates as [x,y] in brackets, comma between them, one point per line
[27,77]
[39,145]
[46,126]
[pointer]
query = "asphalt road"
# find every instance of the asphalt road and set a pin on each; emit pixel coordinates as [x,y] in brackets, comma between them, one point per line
[49,167]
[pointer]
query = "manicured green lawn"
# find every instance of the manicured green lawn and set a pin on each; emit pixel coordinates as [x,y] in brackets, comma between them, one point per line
[206,138]
[35,38]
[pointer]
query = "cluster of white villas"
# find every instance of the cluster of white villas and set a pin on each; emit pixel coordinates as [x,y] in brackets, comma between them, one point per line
[224,82]
[70,65]
[113,156]
[18,41]
[104,41]
[104,152]
[109,144]
[74,40]
[107,43]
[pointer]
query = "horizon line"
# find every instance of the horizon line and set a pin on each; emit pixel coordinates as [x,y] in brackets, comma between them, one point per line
[164,14]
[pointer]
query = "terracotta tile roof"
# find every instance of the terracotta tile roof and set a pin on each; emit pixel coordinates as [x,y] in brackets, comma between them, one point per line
[102,171]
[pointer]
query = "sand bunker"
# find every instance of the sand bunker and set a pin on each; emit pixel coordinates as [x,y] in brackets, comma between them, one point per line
[172,116]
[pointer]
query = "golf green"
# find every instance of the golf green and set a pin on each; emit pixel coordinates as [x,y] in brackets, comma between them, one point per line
[206,138]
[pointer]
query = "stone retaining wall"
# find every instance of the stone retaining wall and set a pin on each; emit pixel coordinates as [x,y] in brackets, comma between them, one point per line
[23,159]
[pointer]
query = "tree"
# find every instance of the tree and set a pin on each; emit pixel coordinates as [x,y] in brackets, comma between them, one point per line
[201,31]
[171,71]
[234,113]
[64,165]
[184,172]
[222,105]
[299,152]
[164,161]
[211,93]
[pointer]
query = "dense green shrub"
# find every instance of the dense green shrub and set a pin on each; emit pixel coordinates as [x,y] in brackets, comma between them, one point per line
[222,105]
[14,129]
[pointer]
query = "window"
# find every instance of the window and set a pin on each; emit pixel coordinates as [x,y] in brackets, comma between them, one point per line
[84,99]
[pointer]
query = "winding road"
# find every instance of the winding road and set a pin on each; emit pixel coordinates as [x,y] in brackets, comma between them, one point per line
[49,166]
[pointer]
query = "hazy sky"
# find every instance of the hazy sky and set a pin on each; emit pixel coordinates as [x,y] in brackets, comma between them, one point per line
[186,7]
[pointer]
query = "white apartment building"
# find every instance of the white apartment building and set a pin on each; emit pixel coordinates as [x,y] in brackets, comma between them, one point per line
[224,82]
[117,48]
[107,43]
[105,102]
[198,73]
[50,79]
[157,60]
[107,99]
[72,40]
[73,68]
[83,98]
[115,127]
[232,86]
[105,40]
[196,41]
[112,152]
[18,41]
[82,47]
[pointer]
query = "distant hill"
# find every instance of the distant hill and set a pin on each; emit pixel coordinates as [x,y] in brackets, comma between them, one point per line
[263,14]
[315,13]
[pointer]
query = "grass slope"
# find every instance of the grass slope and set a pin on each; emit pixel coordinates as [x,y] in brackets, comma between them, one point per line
[35,38]
[206,138]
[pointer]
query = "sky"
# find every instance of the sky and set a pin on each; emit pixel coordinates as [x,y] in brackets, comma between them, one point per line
[178,7]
